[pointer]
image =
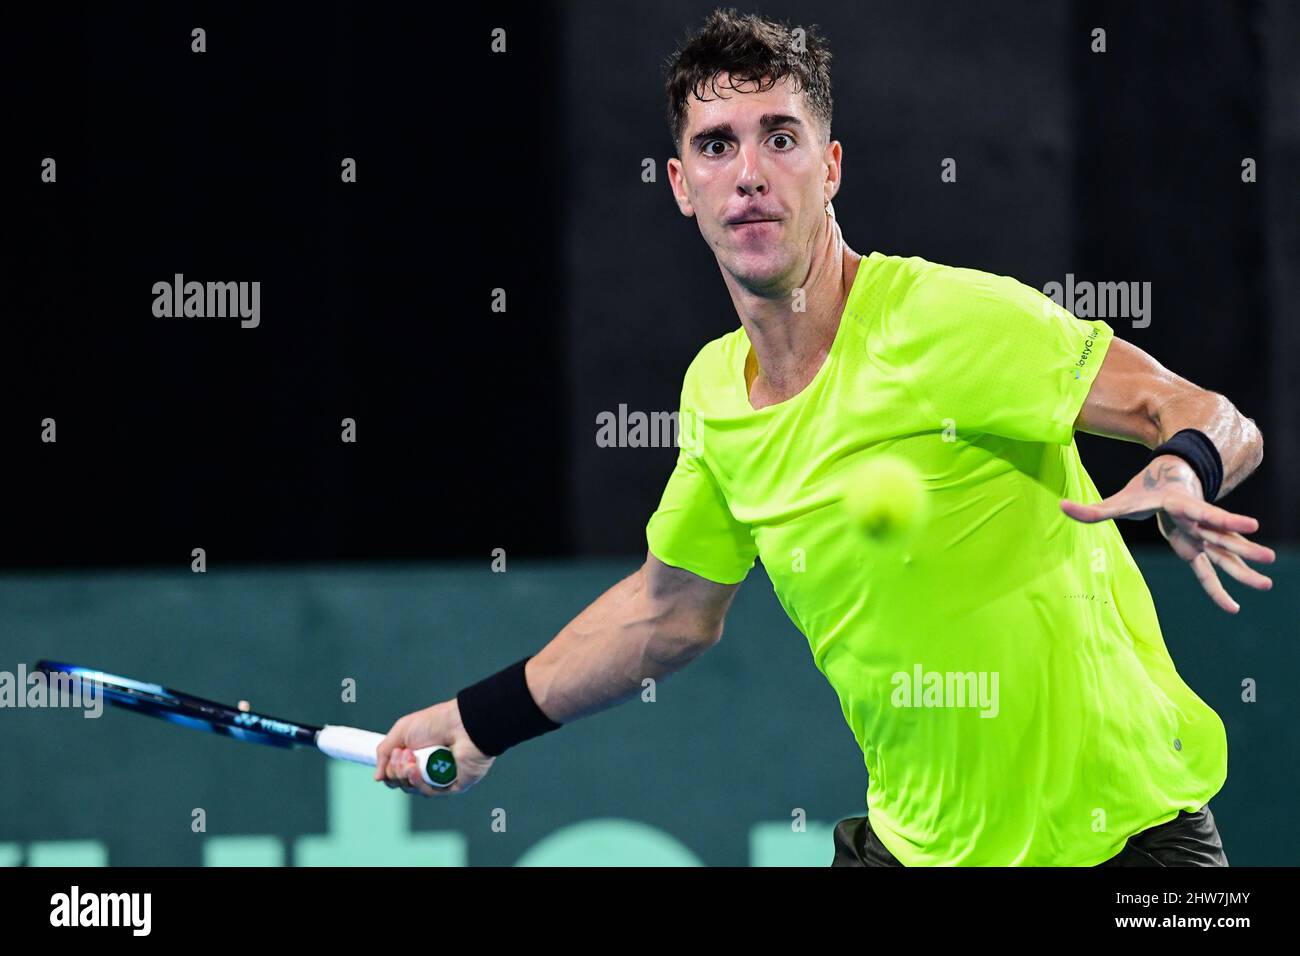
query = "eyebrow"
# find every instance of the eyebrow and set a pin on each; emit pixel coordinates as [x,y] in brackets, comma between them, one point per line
[724,131]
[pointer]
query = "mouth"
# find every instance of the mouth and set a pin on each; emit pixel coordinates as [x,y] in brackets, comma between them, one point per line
[751,222]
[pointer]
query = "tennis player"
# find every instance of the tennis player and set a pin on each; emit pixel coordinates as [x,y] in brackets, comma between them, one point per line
[1094,749]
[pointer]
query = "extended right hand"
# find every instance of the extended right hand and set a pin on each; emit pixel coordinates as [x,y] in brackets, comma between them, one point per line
[436,726]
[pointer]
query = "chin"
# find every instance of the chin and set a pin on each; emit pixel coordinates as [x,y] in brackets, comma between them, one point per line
[760,271]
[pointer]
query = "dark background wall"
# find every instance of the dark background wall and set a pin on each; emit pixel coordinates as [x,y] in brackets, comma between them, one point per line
[225,166]
[522,171]
[1115,166]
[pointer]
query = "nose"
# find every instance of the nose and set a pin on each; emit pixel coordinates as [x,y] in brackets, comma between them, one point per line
[751,181]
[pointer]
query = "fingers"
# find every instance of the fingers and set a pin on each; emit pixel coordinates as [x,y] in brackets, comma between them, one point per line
[397,766]
[1209,516]
[1201,533]
[394,777]
[394,739]
[1210,582]
[1113,507]
[1080,512]
[1231,563]
[1225,550]
[403,773]
[1238,545]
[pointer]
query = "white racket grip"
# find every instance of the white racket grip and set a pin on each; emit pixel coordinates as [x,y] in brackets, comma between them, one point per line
[360,746]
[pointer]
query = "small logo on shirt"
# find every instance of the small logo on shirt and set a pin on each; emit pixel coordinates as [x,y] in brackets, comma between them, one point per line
[1087,348]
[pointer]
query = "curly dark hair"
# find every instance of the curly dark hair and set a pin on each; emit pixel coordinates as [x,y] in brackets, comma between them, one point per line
[748,48]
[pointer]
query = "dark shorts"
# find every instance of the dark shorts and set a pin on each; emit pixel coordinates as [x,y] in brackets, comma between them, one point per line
[1189,839]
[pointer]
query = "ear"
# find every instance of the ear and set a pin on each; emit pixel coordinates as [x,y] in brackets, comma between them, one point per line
[833,158]
[677,180]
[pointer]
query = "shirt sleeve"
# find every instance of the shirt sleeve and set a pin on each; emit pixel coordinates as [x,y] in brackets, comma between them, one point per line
[693,528]
[987,353]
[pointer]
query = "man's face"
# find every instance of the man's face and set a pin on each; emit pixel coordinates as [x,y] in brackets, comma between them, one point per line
[756,173]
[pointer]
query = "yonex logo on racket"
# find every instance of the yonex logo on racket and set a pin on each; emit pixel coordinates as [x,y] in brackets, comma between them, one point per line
[266,723]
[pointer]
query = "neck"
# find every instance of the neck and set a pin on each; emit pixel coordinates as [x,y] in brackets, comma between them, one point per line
[789,346]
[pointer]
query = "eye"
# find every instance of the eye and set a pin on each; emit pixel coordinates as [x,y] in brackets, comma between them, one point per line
[708,150]
[783,142]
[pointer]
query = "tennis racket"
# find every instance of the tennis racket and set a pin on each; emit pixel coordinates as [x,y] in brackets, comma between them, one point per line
[437,765]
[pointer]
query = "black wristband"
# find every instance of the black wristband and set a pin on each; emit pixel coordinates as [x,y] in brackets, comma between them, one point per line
[499,711]
[1195,448]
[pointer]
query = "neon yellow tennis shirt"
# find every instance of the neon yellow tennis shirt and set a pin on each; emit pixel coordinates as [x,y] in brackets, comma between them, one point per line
[1004,674]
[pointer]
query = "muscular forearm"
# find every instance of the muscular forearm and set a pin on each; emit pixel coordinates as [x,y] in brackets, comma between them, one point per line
[1137,399]
[1238,440]
[604,654]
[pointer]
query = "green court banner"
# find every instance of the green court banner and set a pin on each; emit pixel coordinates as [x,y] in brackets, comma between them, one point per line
[741,759]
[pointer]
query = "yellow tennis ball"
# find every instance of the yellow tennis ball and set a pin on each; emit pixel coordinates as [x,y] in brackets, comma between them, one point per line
[886,500]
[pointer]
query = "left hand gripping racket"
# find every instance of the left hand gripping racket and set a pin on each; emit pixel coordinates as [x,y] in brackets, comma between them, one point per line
[437,765]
